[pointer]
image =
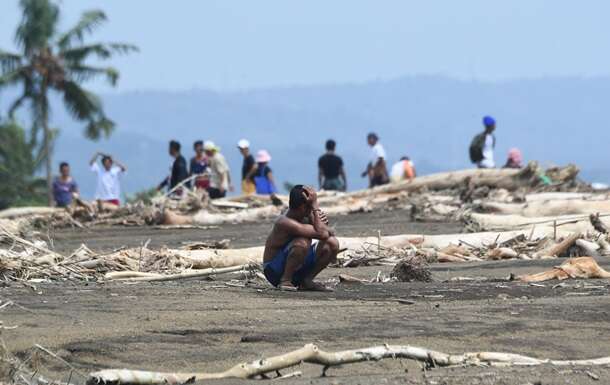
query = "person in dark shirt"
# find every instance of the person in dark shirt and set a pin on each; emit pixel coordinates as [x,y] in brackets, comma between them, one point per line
[179,171]
[199,166]
[331,174]
[64,187]
[248,168]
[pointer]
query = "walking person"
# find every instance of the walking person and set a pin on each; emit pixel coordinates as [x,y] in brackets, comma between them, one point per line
[248,168]
[376,169]
[263,176]
[482,145]
[199,167]
[220,175]
[178,169]
[331,174]
[108,189]
[65,189]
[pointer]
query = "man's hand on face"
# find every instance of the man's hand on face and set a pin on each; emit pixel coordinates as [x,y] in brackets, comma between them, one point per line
[323,217]
[311,198]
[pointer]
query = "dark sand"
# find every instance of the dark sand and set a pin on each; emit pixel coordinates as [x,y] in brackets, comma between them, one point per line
[209,326]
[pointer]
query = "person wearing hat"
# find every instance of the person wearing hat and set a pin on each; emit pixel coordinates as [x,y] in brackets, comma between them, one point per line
[248,168]
[482,145]
[263,177]
[220,178]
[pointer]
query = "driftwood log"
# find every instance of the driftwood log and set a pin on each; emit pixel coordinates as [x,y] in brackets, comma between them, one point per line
[582,267]
[312,354]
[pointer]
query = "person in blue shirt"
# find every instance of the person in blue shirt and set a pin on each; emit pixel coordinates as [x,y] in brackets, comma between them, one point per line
[65,188]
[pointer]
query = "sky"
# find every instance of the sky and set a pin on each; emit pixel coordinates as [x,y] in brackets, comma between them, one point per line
[230,45]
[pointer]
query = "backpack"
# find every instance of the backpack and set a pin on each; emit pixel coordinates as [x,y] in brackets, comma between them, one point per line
[476,148]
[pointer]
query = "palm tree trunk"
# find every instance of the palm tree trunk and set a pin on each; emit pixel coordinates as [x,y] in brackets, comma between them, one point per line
[47,144]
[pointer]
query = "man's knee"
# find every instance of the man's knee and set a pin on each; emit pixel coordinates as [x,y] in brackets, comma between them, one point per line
[333,245]
[300,247]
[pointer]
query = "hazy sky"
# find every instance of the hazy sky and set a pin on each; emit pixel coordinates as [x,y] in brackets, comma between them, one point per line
[229,44]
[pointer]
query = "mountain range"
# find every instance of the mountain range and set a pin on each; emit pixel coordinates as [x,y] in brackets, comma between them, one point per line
[429,118]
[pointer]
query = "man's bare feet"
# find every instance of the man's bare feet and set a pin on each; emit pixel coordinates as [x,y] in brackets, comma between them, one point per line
[314,286]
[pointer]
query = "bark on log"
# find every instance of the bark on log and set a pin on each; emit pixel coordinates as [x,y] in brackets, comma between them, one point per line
[582,267]
[548,208]
[312,354]
[18,212]
[559,248]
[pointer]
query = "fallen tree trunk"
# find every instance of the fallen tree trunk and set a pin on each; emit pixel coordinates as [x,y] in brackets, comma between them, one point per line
[582,267]
[312,354]
[181,276]
[548,208]
[204,217]
[17,212]
[509,179]
[504,222]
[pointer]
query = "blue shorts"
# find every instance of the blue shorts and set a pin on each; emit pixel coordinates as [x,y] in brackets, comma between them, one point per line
[274,269]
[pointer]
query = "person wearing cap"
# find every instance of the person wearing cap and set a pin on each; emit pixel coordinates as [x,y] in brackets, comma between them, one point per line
[220,178]
[482,145]
[376,169]
[248,168]
[263,176]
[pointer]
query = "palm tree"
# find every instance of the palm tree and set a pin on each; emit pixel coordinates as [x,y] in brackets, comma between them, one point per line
[56,62]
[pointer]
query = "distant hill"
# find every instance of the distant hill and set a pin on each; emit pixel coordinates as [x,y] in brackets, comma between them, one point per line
[431,119]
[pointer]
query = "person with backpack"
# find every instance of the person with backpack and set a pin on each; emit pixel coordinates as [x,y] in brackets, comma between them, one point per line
[263,176]
[482,145]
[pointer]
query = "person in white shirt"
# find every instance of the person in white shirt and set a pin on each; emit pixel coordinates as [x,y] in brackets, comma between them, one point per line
[220,178]
[108,189]
[376,169]
[489,143]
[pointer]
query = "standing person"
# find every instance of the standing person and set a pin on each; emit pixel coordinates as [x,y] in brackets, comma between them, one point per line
[263,176]
[178,170]
[402,170]
[376,170]
[199,167]
[65,188]
[331,175]
[248,168]
[220,178]
[291,258]
[482,145]
[108,188]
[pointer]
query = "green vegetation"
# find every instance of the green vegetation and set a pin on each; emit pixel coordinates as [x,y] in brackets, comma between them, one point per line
[18,186]
[144,196]
[57,62]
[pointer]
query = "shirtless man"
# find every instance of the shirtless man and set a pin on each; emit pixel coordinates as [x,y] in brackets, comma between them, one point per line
[291,259]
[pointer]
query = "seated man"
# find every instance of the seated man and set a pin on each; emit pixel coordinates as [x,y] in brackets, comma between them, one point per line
[291,259]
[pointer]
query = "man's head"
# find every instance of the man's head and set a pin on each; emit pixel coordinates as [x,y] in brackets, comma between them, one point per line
[331,145]
[298,203]
[372,139]
[244,147]
[64,169]
[174,148]
[489,123]
[210,148]
[198,147]
[107,162]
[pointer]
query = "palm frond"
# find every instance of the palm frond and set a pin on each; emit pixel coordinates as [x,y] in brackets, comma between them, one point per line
[9,61]
[82,104]
[88,22]
[37,25]
[14,76]
[81,73]
[99,50]
[98,127]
